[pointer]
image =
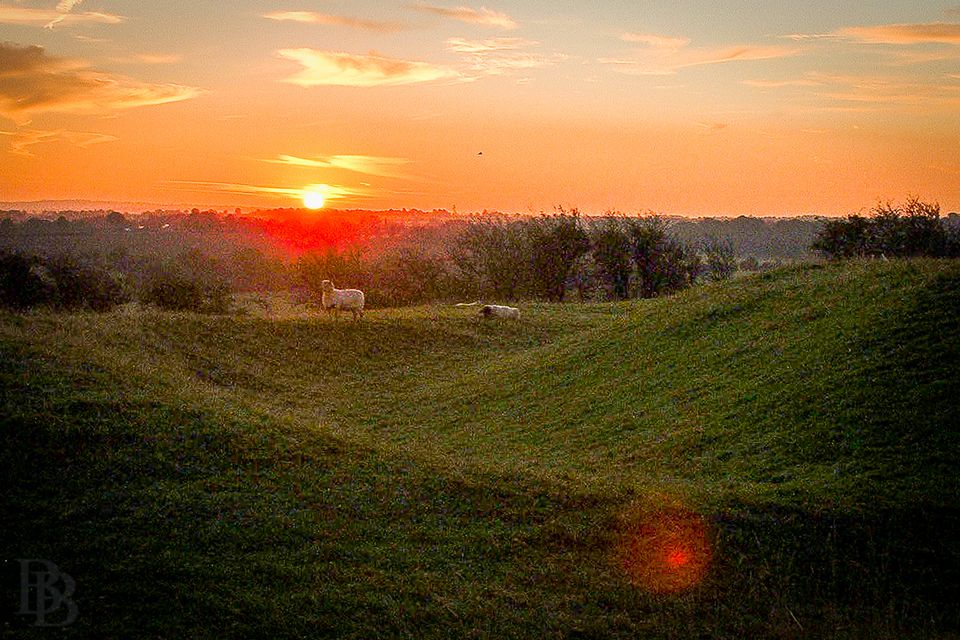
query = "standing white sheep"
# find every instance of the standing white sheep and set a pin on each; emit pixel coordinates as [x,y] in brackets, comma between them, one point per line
[337,299]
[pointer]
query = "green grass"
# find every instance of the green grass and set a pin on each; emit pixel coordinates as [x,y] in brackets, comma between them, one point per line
[426,474]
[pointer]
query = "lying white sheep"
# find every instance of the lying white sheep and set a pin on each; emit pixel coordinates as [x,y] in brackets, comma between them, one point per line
[337,299]
[499,311]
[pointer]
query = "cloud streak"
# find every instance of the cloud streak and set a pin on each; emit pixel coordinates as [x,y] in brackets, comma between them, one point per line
[500,56]
[385,167]
[483,17]
[873,91]
[335,68]
[33,82]
[905,34]
[656,41]
[150,58]
[330,192]
[326,19]
[663,55]
[22,139]
[48,18]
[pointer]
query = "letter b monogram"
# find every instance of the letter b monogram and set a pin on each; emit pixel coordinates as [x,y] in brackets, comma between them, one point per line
[44,590]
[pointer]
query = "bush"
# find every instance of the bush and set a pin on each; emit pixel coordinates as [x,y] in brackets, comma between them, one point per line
[555,244]
[174,291]
[82,286]
[62,282]
[663,263]
[491,258]
[24,282]
[338,267]
[721,259]
[911,230]
[611,250]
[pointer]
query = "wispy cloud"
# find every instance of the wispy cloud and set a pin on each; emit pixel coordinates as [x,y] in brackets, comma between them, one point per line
[326,19]
[51,17]
[501,56]
[386,167]
[150,58]
[779,84]
[330,192]
[33,82]
[22,139]
[493,45]
[482,16]
[804,37]
[663,55]
[906,34]
[893,34]
[322,68]
[656,41]
[64,7]
[873,91]
[896,92]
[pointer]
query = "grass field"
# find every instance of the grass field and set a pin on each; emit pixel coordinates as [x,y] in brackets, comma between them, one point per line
[775,456]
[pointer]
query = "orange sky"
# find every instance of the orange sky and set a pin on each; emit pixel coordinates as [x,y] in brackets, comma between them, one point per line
[514,106]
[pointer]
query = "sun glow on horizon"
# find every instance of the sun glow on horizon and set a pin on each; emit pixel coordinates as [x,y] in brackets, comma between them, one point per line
[314,200]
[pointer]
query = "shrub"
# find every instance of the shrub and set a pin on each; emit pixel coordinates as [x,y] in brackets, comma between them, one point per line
[663,263]
[910,230]
[721,259]
[611,250]
[62,282]
[80,286]
[555,244]
[341,268]
[174,291]
[24,282]
[491,258]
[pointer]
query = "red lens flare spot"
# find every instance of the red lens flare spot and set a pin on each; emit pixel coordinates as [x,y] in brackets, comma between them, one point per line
[664,550]
[678,558]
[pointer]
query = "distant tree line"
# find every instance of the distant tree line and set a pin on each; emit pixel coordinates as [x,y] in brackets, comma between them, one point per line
[912,229]
[196,260]
[548,257]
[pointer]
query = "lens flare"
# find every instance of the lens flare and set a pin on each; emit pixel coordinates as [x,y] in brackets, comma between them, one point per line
[664,550]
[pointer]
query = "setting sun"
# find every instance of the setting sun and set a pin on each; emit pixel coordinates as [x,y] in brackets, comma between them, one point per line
[313,200]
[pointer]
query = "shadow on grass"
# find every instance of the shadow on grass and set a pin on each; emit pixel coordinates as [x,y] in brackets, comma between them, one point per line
[179,526]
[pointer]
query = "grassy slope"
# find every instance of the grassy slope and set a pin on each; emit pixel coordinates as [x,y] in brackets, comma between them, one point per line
[422,470]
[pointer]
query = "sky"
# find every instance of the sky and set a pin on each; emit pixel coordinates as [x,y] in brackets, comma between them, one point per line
[681,108]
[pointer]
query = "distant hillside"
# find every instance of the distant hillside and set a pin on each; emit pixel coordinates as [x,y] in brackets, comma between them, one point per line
[84,208]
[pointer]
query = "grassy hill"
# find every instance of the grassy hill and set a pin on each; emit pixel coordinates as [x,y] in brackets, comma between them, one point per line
[774,456]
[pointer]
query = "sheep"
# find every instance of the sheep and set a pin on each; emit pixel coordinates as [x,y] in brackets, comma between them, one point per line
[337,299]
[499,311]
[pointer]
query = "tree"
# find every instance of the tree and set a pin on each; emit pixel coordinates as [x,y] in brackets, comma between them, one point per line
[657,257]
[491,258]
[844,238]
[555,244]
[913,229]
[721,259]
[611,249]
[81,285]
[345,269]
